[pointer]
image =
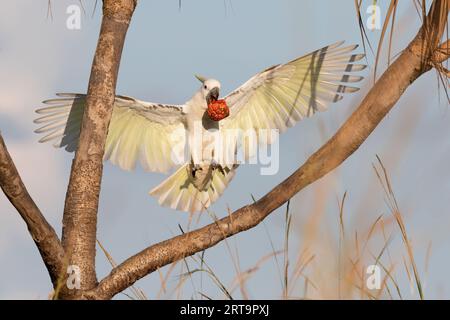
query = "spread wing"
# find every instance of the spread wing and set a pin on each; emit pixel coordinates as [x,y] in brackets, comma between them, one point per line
[149,132]
[280,96]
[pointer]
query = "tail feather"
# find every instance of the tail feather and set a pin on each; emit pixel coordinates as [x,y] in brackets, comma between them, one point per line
[179,192]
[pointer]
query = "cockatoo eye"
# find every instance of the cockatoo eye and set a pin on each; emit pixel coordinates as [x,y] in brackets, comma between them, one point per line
[206,87]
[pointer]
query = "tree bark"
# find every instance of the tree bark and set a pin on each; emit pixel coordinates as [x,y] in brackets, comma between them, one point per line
[80,212]
[412,63]
[44,236]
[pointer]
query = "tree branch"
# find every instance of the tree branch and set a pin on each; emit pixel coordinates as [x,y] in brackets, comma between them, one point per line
[41,231]
[80,212]
[412,63]
[442,53]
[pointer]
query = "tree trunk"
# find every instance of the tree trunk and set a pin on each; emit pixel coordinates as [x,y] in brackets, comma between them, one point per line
[81,206]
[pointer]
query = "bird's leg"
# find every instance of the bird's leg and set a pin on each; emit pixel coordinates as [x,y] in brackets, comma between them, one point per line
[195,167]
[214,164]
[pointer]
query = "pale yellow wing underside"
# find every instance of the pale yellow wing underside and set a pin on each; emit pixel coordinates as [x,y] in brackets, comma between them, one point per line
[282,95]
[138,131]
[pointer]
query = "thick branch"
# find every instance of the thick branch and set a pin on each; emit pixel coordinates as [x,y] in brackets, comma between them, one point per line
[40,230]
[412,63]
[80,212]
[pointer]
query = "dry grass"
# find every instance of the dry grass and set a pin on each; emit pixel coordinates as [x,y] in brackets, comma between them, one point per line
[136,293]
[388,31]
[320,271]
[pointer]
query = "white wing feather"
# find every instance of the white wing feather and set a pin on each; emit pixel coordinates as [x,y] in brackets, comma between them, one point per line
[138,130]
[280,96]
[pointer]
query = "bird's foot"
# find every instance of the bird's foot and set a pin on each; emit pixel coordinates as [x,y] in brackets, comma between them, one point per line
[194,168]
[216,166]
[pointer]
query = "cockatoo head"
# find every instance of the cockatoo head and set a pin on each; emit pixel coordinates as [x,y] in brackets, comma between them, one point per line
[210,89]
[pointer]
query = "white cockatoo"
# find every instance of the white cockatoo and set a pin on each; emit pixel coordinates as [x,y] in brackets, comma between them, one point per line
[158,135]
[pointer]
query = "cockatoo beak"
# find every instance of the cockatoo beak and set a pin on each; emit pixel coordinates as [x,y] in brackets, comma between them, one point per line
[200,78]
[213,95]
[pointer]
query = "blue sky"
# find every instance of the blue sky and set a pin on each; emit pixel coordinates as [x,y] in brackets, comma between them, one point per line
[230,41]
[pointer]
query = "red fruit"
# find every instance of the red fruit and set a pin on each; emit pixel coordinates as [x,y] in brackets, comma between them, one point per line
[218,110]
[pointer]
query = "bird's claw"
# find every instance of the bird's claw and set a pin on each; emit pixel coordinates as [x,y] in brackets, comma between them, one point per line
[214,164]
[194,168]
